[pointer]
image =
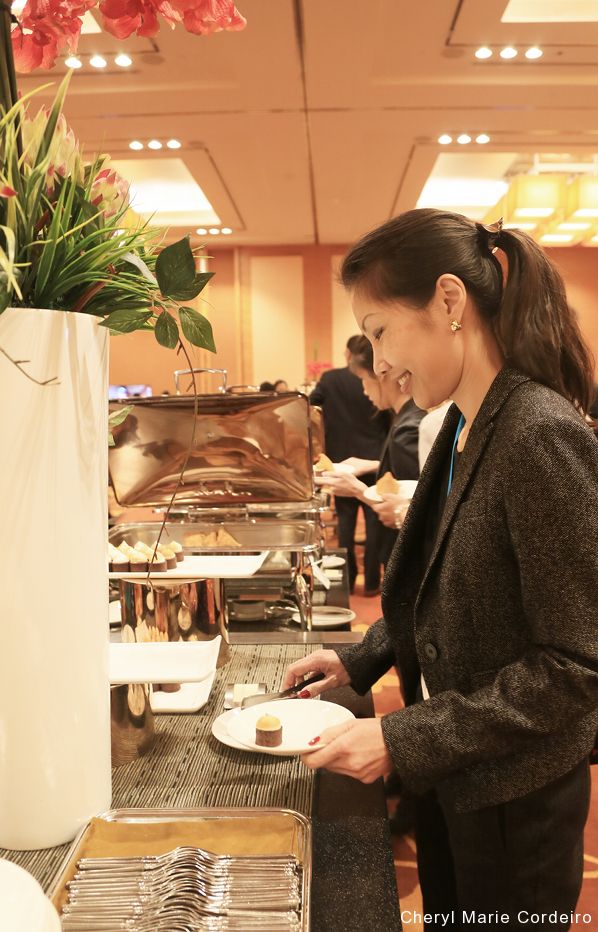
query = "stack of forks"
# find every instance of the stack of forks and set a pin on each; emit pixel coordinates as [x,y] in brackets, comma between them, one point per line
[187,890]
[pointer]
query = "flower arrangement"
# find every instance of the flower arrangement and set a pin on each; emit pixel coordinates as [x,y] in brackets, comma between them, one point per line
[68,241]
[45,29]
[316,368]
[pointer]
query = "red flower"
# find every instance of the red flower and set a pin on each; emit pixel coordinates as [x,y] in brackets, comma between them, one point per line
[6,191]
[53,26]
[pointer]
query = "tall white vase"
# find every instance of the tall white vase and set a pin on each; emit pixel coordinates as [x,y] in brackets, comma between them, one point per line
[54,692]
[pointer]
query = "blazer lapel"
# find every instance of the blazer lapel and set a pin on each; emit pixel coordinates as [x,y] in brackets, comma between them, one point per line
[405,561]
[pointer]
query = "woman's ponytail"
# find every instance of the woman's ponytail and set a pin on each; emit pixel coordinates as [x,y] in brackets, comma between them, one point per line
[536,328]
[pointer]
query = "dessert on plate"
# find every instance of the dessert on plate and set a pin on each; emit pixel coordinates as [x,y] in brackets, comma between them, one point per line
[268,731]
[387,485]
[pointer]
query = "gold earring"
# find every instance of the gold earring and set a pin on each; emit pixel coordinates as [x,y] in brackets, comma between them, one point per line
[455,325]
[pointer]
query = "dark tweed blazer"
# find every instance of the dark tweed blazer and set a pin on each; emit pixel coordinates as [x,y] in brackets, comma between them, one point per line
[503,622]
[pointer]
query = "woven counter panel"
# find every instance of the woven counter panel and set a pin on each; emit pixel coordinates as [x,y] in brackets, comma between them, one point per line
[188,767]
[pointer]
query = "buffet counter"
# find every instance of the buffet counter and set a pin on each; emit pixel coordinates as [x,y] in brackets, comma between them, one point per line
[353,881]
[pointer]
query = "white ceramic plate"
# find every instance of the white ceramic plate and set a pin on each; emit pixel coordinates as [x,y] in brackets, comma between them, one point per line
[302,720]
[191,697]
[406,491]
[327,616]
[220,729]
[168,662]
[205,566]
[330,561]
[23,905]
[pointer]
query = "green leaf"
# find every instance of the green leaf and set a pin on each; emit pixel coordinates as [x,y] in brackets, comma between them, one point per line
[197,328]
[117,417]
[126,321]
[167,332]
[175,271]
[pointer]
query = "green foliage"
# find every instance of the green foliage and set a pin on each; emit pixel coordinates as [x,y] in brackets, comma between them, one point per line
[66,240]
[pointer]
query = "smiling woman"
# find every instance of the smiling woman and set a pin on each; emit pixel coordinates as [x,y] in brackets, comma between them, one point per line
[490,593]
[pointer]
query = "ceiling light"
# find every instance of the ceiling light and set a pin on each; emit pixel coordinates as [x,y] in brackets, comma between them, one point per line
[123,61]
[173,144]
[463,139]
[96,61]
[556,238]
[482,139]
[226,231]
[575,227]
[535,196]
[582,198]
[508,52]
[214,231]
[73,62]
[202,232]
[154,144]
[445,139]
[464,192]
[534,53]
[136,145]
[483,53]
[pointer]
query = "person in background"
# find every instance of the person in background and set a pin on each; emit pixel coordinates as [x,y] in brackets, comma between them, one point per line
[490,596]
[266,387]
[352,427]
[399,454]
[281,386]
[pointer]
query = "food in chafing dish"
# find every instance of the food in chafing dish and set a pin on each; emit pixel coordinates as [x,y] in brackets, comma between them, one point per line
[137,559]
[323,464]
[220,538]
[268,731]
[388,485]
[176,548]
[118,562]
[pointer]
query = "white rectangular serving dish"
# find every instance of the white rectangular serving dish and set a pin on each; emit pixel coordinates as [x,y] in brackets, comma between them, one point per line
[218,566]
[168,662]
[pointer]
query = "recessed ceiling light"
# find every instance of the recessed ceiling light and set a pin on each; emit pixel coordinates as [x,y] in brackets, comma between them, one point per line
[123,61]
[96,61]
[226,231]
[463,139]
[483,52]
[201,231]
[154,144]
[526,227]
[534,53]
[73,62]
[482,139]
[214,231]
[136,145]
[508,52]
[445,139]
[173,144]
[574,226]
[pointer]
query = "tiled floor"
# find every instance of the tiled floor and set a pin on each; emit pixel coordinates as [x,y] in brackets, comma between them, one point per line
[386,699]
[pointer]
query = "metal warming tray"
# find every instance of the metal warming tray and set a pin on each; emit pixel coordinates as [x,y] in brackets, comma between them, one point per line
[250,448]
[126,832]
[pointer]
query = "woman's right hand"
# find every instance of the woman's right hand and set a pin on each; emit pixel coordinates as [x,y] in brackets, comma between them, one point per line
[321,661]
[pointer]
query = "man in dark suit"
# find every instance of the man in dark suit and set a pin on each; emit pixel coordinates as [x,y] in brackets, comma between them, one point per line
[352,427]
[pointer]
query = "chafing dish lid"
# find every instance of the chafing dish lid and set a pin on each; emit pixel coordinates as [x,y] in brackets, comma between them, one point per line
[250,448]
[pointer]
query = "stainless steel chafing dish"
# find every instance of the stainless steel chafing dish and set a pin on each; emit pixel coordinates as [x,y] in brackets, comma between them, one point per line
[250,472]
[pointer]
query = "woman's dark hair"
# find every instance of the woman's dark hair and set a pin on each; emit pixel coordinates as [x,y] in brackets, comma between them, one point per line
[362,356]
[266,387]
[527,310]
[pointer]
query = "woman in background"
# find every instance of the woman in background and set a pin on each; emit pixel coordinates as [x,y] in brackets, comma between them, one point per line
[490,605]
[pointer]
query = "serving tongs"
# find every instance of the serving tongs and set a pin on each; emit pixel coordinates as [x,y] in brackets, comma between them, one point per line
[289,693]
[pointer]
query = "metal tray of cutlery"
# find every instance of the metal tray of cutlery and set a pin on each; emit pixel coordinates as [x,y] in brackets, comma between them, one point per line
[217,869]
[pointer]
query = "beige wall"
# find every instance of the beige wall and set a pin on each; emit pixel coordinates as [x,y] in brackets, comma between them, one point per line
[274,309]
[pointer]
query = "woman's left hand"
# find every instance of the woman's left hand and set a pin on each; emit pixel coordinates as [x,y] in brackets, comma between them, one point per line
[355,748]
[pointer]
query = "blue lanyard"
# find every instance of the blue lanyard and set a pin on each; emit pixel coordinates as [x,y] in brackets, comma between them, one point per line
[460,425]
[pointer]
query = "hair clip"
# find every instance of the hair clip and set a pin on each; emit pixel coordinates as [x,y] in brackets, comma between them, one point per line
[489,233]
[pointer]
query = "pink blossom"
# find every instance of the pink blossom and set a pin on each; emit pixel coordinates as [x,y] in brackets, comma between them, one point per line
[7,191]
[55,27]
